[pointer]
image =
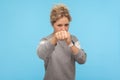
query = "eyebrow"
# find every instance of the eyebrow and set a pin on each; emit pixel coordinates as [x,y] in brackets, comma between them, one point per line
[67,24]
[59,25]
[64,24]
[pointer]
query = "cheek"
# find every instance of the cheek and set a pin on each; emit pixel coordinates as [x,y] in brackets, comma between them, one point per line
[56,28]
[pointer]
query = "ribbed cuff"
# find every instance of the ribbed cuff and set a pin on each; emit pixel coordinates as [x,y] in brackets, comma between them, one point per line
[79,54]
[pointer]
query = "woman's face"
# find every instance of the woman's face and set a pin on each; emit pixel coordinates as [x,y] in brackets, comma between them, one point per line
[61,24]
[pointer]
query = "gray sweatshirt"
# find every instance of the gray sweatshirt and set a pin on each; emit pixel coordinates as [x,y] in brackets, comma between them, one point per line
[59,60]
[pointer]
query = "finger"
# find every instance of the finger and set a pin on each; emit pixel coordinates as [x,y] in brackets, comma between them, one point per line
[62,34]
[68,34]
[56,35]
[65,33]
[59,35]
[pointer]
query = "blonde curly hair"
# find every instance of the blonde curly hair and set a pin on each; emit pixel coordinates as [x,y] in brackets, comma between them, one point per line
[59,11]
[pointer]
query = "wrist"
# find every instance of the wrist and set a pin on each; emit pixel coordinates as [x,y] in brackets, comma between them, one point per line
[71,44]
[54,40]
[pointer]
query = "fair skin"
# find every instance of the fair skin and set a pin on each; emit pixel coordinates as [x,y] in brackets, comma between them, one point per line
[61,27]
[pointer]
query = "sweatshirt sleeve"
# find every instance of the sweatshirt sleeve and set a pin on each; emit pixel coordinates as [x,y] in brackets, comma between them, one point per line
[81,55]
[45,49]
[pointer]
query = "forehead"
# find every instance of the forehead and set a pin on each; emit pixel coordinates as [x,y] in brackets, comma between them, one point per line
[62,20]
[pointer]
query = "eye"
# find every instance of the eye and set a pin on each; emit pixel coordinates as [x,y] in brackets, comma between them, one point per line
[66,25]
[59,25]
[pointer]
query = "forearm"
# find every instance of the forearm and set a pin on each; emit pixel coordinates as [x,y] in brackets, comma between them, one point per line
[74,50]
[53,40]
[79,54]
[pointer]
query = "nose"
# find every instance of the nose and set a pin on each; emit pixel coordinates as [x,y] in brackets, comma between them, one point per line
[63,28]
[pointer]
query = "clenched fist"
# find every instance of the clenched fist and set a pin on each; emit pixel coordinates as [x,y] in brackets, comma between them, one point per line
[63,35]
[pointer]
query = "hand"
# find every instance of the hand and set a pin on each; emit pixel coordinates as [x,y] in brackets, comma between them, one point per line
[63,35]
[68,39]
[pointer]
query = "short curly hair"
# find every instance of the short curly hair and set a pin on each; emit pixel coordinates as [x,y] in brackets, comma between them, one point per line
[59,11]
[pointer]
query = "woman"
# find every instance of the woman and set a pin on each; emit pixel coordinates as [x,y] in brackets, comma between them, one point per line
[60,49]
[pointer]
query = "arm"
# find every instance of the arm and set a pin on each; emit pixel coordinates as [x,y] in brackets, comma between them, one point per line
[45,48]
[78,53]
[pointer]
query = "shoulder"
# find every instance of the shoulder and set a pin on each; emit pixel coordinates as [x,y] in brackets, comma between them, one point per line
[45,39]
